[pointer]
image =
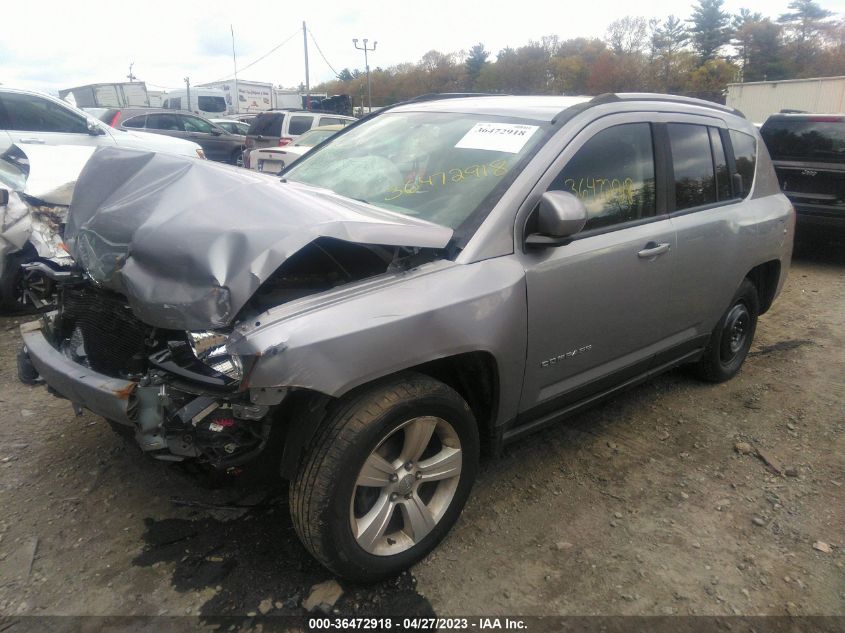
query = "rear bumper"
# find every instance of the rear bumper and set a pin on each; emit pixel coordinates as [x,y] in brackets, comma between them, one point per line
[104,395]
[811,216]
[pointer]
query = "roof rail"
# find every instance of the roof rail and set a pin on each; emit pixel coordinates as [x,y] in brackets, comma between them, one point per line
[651,96]
[432,96]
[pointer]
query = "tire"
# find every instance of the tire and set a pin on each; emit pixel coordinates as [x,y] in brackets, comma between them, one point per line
[732,337]
[11,297]
[367,532]
[237,158]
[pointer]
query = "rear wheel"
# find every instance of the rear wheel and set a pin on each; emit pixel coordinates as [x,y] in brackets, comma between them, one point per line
[386,478]
[732,337]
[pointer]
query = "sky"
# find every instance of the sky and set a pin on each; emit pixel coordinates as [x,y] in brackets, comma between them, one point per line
[59,44]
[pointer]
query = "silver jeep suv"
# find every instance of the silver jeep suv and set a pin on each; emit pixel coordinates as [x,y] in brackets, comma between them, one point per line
[435,280]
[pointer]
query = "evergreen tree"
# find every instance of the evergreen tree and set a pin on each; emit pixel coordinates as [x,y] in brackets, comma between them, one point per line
[475,62]
[709,30]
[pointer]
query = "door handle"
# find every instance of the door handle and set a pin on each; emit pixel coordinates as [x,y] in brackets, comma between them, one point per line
[33,141]
[653,249]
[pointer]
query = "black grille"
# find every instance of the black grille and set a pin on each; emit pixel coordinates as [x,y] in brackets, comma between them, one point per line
[114,339]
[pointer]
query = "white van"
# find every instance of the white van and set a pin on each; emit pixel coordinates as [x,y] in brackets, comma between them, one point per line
[207,102]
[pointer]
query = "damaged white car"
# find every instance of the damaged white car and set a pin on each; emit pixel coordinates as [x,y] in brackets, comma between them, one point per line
[36,186]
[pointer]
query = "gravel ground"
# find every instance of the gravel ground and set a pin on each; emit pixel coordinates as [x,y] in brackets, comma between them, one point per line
[646,505]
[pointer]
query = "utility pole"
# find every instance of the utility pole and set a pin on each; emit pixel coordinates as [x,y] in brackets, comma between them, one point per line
[237,96]
[367,64]
[307,84]
[188,86]
[130,76]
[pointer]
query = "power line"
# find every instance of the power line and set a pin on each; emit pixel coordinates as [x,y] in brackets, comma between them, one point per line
[264,56]
[314,39]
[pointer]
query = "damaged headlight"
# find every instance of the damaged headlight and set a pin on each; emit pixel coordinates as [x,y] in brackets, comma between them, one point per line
[210,349]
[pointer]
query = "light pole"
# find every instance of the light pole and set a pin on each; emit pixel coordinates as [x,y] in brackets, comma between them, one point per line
[367,65]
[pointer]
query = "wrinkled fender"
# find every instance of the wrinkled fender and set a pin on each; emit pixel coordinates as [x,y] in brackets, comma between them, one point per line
[336,341]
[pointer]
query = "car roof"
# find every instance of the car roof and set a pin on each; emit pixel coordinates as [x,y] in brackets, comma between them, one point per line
[546,108]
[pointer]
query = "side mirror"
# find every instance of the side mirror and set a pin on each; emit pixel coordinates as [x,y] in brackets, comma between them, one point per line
[216,132]
[4,197]
[560,215]
[94,128]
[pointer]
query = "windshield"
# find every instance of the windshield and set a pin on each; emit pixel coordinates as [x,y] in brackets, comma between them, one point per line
[820,139]
[439,167]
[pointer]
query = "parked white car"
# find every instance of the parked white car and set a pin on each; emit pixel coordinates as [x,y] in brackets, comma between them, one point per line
[272,160]
[28,117]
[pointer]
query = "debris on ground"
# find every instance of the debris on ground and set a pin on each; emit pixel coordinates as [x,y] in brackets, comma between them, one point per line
[743,448]
[323,596]
[821,546]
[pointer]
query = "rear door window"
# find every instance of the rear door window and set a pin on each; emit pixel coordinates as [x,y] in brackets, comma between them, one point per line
[692,162]
[613,175]
[135,121]
[720,162]
[300,124]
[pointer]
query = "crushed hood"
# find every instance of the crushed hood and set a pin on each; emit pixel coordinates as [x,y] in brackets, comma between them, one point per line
[188,242]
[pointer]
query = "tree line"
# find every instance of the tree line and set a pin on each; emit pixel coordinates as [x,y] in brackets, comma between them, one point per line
[697,57]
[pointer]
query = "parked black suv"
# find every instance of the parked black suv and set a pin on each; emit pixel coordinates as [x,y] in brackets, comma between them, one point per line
[808,152]
[217,143]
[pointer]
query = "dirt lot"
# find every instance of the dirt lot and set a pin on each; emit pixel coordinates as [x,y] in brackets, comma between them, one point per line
[641,506]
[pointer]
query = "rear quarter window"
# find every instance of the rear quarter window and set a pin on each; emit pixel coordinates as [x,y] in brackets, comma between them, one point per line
[745,155]
[269,124]
[299,124]
[135,121]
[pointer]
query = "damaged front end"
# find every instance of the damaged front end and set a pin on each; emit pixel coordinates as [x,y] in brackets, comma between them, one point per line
[147,319]
[181,392]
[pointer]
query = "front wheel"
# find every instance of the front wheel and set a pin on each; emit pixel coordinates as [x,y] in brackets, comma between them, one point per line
[732,337]
[386,478]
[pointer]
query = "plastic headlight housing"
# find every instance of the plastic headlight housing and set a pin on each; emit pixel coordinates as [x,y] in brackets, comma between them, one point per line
[210,349]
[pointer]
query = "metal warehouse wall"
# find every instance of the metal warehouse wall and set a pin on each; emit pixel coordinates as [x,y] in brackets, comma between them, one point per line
[758,100]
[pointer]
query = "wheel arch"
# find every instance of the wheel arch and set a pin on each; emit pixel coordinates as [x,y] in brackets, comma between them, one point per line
[473,375]
[765,278]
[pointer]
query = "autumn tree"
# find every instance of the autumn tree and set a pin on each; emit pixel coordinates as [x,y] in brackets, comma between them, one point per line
[627,35]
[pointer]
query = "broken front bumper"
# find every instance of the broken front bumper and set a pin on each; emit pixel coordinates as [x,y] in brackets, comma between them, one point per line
[104,395]
[170,423]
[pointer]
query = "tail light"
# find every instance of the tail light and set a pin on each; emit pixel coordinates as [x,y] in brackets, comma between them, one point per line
[114,119]
[285,141]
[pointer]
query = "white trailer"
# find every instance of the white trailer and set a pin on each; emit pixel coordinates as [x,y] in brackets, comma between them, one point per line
[114,95]
[243,96]
[760,99]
